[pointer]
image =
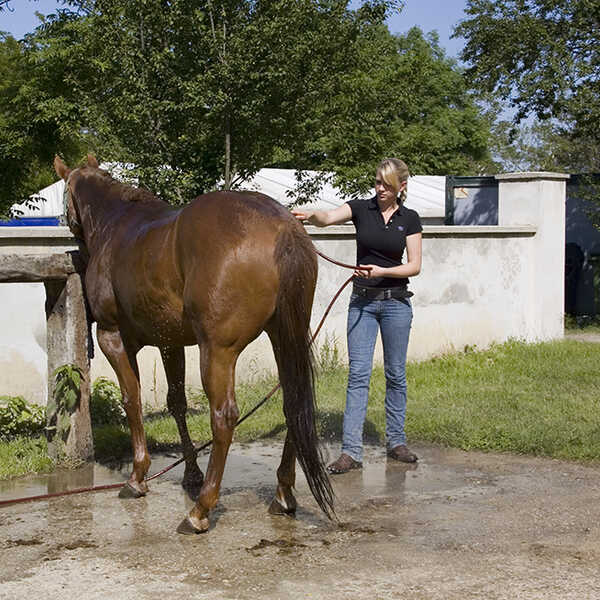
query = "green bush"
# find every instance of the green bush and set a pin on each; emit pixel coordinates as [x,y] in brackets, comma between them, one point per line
[328,357]
[106,405]
[19,418]
[63,403]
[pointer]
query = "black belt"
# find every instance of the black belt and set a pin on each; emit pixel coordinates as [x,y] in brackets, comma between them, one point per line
[381,293]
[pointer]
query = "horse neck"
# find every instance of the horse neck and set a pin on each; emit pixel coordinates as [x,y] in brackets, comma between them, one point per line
[99,211]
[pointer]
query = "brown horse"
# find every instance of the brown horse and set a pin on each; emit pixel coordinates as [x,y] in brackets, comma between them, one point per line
[216,273]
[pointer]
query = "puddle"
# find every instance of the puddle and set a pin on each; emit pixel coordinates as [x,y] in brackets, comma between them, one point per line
[59,481]
[255,465]
[247,466]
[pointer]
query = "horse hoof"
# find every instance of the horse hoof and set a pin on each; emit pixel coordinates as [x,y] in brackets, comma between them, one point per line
[128,491]
[186,527]
[277,508]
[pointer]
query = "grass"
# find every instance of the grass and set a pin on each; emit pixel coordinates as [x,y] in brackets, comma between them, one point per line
[582,323]
[540,399]
[22,456]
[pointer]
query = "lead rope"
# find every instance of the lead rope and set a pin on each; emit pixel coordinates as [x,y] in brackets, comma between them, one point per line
[197,449]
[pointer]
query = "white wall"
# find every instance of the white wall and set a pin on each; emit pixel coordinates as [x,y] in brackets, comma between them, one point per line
[478,285]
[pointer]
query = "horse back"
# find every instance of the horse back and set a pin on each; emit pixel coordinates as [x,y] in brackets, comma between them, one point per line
[228,247]
[222,226]
[208,269]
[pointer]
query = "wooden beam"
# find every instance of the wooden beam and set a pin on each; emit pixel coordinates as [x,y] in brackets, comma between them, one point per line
[27,268]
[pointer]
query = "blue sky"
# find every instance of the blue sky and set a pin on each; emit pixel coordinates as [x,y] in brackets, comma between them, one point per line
[429,15]
[432,15]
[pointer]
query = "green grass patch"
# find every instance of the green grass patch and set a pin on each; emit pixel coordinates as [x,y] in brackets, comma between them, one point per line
[582,323]
[21,456]
[540,399]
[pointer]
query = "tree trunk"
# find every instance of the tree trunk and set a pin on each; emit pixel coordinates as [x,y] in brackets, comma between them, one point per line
[227,156]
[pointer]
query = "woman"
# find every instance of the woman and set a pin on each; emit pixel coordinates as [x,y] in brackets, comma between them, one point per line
[385,228]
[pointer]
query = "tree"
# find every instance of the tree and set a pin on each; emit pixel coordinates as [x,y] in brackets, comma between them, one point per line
[543,58]
[538,146]
[199,91]
[403,97]
[36,120]
[200,94]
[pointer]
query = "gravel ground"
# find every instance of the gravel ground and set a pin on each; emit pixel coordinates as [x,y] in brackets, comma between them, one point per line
[582,336]
[456,526]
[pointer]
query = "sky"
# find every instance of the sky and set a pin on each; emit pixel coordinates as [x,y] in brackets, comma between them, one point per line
[429,15]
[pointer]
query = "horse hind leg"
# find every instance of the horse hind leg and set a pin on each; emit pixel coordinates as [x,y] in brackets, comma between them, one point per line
[124,363]
[284,502]
[174,363]
[217,365]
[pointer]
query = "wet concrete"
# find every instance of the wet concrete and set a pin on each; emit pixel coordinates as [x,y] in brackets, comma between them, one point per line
[456,526]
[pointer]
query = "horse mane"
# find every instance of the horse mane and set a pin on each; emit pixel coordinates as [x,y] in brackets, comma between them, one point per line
[125,191]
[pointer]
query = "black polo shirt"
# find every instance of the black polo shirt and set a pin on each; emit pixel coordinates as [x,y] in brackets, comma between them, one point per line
[380,244]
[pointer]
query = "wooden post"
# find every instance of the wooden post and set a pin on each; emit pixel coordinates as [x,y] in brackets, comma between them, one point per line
[67,343]
[68,334]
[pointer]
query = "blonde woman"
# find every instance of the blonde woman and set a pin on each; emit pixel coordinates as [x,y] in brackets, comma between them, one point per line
[385,231]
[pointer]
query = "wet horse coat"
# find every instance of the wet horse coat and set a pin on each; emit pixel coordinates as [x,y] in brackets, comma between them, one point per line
[216,273]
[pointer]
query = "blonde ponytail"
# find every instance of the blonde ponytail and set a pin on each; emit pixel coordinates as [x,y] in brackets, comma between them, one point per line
[394,172]
[402,196]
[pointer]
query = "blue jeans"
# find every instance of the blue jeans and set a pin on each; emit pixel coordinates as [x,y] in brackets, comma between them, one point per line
[365,317]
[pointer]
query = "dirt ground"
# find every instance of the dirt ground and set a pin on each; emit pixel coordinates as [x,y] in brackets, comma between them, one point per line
[582,336]
[457,526]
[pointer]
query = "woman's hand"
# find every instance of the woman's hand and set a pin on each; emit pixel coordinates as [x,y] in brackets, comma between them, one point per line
[322,218]
[303,215]
[369,271]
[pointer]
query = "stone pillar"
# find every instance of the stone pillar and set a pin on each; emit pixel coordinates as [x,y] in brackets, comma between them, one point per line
[538,199]
[67,339]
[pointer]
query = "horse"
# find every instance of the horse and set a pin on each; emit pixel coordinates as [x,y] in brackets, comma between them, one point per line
[216,273]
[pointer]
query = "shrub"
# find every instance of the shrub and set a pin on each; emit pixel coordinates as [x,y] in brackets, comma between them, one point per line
[64,402]
[19,418]
[328,358]
[106,407]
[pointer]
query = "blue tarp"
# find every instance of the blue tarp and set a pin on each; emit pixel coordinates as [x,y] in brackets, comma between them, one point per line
[30,222]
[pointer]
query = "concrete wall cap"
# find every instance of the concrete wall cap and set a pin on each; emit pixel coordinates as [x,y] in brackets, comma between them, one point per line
[341,231]
[532,175]
[36,232]
[333,231]
[477,230]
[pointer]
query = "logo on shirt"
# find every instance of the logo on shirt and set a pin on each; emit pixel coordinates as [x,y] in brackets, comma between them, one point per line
[400,228]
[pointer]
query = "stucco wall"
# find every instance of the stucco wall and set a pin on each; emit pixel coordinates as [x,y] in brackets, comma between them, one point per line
[478,285]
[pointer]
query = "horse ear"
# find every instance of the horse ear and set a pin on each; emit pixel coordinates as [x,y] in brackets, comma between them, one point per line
[61,169]
[92,161]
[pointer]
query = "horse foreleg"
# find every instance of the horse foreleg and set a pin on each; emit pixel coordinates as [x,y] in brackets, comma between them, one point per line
[124,363]
[174,362]
[218,368]
[284,502]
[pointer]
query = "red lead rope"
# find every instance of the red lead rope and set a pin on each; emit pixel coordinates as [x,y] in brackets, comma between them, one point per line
[197,449]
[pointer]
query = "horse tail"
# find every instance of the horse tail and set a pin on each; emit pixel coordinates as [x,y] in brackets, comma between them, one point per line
[297,262]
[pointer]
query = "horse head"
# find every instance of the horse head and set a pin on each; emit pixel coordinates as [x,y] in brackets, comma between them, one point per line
[71,207]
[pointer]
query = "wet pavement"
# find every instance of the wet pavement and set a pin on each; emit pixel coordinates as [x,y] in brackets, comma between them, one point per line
[457,525]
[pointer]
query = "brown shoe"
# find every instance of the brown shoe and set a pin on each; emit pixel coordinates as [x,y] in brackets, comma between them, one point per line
[343,464]
[403,454]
